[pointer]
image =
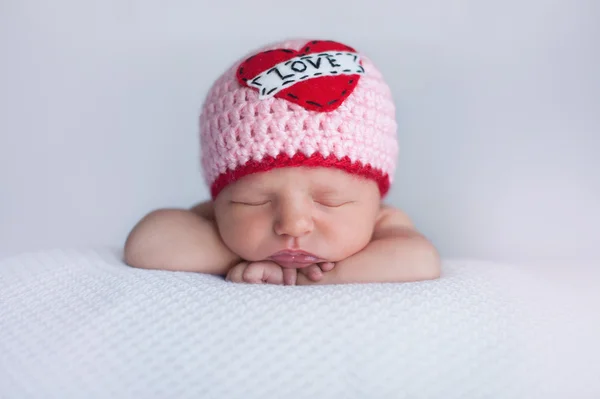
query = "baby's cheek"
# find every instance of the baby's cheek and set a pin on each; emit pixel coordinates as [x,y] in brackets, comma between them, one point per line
[356,239]
[351,236]
[244,235]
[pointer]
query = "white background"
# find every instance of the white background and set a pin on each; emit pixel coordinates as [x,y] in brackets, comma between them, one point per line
[498,109]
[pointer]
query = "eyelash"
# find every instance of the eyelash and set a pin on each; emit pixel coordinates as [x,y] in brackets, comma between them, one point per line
[325,204]
[250,203]
[333,206]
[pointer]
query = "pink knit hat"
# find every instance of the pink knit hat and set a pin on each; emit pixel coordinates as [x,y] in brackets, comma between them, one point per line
[299,103]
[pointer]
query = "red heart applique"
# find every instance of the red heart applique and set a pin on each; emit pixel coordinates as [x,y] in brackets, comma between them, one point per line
[319,77]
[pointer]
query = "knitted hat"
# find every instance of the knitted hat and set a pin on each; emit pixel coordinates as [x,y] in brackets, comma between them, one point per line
[299,103]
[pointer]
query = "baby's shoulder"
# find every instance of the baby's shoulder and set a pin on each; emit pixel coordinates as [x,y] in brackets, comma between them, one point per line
[390,216]
[204,209]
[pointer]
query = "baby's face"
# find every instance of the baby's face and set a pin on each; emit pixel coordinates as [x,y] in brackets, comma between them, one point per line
[323,211]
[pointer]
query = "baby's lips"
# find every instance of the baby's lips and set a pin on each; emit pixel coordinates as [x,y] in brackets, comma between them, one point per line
[294,259]
[294,263]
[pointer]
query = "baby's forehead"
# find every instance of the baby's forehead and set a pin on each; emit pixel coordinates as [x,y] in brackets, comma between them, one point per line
[318,178]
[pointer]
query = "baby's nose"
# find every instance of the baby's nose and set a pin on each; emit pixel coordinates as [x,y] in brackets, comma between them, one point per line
[294,221]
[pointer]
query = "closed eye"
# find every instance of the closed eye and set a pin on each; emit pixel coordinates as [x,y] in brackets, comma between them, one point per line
[248,203]
[333,204]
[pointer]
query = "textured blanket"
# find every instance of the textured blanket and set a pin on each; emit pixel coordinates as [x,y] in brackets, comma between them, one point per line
[82,324]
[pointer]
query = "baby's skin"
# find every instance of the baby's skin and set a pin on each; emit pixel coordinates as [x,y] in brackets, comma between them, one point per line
[291,226]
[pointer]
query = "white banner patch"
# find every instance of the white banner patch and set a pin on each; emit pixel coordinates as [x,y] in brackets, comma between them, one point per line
[309,66]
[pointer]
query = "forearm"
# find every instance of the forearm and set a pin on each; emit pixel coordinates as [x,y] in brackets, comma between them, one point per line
[392,259]
[178,240]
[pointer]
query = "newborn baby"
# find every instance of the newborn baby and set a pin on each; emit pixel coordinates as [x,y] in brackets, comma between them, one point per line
[299,148]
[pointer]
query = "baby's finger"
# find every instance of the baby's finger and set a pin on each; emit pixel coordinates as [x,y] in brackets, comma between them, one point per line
[263,273]
[327,266]
[235,274]
[313,272]
[255,274]
[290,276]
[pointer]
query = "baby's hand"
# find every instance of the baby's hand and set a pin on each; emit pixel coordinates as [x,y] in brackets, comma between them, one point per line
[262,272]
[315,272]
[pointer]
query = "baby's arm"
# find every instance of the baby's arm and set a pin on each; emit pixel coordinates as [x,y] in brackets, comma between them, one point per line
[179,240]
[396,253]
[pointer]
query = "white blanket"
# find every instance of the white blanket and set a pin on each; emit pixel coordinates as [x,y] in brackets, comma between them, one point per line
[81,324]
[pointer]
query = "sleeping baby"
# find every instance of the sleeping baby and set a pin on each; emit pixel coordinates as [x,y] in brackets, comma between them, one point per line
[298,147]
